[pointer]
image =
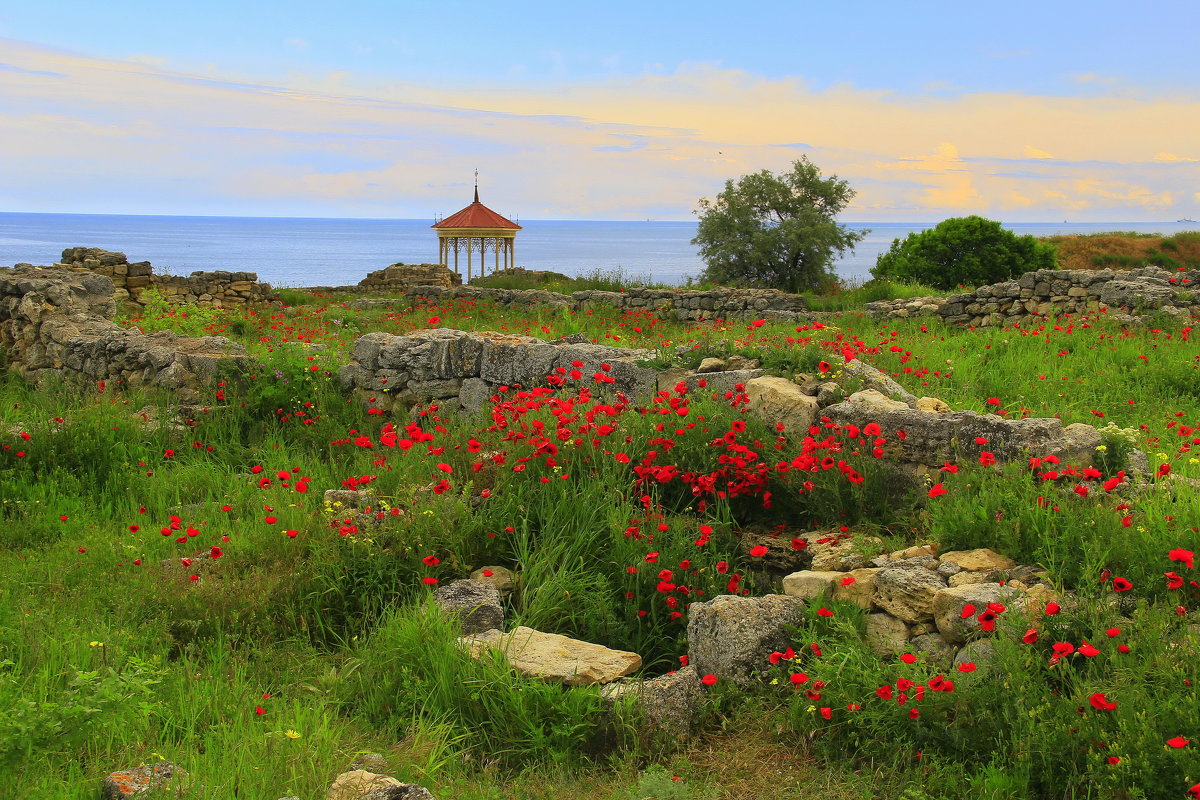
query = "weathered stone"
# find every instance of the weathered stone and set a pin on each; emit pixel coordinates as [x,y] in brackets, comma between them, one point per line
[356,784]
[981,653]
[916,551]
[875,380]
[161,779]
[712,365]
[978,560]
[949,603]
[965,578]
[907,592]
[775,399]
[403,791]
[474,604]
[808,584]
[932,405]
[860,591]
[837,554]
[669,702]
[938,651]
[871,403]
[554,657]
[781,557]
[886,635]
[502,578]
[731,637]
[371,762]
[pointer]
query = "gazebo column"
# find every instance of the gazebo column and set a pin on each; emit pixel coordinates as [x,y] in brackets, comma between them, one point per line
[456,272]
[497,245]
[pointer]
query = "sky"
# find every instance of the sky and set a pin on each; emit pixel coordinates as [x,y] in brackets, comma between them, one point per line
[1018,111]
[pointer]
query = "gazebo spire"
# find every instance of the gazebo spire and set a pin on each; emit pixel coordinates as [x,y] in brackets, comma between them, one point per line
[476,185]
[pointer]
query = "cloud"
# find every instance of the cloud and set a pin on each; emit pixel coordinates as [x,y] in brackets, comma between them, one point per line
[131,136]
[1171,157]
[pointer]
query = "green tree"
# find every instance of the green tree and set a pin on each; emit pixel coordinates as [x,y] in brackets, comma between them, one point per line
[775,231]
[963,251]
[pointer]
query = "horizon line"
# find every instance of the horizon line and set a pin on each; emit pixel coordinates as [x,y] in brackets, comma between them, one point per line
[1185,220]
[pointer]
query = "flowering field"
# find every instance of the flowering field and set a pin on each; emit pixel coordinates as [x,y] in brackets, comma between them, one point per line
[175,585]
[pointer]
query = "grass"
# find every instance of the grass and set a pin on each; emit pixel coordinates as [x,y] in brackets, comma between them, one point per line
[1127,250]
[610,280]
[317,614]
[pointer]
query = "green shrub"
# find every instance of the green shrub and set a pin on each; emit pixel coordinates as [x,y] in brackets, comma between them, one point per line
[963,251]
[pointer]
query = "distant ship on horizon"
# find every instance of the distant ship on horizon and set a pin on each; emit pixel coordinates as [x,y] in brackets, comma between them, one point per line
[1185,220]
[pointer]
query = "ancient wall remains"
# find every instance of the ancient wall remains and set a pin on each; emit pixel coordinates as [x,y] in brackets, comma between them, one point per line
[218,288]
[400,277]
[57,323]
[681,304]
[1051,292]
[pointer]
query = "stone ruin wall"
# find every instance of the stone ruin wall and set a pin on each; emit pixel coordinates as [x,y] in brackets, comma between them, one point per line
[57,324]
[1051,292]
[681,304]
[217,289]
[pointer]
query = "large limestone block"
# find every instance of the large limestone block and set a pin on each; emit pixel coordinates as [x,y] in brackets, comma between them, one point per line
[669,702]
[870,403]
[886,635]
[775,399]
[949,603]
[979,560]
[907,592]
[556,658]
[860,591]
[809,584]
[732,637]
[362,785]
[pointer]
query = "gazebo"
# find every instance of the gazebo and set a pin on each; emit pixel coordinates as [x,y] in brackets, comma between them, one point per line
[476,229]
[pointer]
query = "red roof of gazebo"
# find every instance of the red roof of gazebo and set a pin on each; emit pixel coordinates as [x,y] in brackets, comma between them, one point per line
[476,215]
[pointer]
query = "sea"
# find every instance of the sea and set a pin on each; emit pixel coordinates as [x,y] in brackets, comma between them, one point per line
[336,252]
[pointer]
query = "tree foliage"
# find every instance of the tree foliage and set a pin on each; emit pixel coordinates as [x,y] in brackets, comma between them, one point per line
[963,251]
[775,231]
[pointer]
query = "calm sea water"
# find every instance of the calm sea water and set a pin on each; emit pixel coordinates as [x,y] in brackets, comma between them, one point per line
[311,252]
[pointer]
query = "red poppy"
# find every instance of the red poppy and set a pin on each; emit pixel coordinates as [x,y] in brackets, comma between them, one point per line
[429,581]
[709,680]
[968,611]
[1178,742]
[1030,636]
[849,579]
[798,678]
[908,658]
[937,490]
[1051,608]
[1121,584]
[1101,703]
[259,710]
[1186,556]
[1088,650]
[758,551]
[824,612]
[967,666]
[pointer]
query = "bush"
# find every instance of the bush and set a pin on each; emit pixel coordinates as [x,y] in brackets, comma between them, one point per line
[963,251]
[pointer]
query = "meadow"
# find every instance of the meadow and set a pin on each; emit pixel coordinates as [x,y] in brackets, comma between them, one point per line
[174,586]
